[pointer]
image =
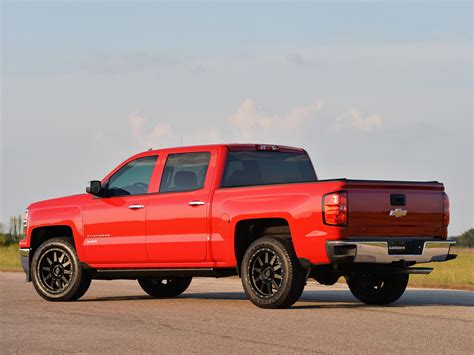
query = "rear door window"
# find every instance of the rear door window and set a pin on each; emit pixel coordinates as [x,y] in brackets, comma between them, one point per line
[248,168]
[185,172]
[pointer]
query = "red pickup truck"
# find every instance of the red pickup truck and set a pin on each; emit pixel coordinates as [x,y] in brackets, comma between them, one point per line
[256,211]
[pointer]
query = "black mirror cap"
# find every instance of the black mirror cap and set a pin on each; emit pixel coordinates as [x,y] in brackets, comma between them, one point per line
[94,188]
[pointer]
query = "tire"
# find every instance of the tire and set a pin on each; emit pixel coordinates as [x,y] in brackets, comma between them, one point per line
[272,276]
[165,288]
[377,289]
[56,272]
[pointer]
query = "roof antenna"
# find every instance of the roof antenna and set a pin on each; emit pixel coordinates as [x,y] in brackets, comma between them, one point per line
[181,141]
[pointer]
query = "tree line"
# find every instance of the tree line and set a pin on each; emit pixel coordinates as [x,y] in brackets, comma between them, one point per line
[466,239]
[14,233]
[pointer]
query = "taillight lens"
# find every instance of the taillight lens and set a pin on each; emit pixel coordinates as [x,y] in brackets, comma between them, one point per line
[335,209]
[445,210]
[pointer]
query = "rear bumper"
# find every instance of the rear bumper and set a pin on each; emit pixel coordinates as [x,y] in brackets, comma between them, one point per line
[379,252]
[25,261]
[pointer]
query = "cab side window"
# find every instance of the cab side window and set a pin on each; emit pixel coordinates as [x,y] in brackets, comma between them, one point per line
[133,178]
[185,172]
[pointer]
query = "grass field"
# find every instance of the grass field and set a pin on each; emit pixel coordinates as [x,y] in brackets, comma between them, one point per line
[9,258]
[455,274]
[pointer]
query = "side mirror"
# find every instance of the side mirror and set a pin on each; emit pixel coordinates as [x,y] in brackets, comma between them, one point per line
[94,188]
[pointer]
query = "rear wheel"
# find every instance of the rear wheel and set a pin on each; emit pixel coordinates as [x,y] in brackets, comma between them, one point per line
[56,272]
[163,288]
[272,276]
[377,289]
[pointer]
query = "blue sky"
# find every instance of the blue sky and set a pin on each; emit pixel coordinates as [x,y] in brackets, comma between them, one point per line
[372,90]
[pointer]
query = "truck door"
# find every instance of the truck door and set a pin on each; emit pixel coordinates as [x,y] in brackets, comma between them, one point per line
[177,216]
[114,225]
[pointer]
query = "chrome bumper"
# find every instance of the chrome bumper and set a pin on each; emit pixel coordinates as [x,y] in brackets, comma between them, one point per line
[25,262]
[379,252]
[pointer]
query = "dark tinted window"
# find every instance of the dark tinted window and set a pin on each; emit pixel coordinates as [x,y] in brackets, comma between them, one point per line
[265,168]
[185,172]
[133,178]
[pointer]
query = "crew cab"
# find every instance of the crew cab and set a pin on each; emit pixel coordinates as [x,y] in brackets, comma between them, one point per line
[253,210]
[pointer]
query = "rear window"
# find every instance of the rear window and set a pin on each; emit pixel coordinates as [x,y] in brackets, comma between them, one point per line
[247,168]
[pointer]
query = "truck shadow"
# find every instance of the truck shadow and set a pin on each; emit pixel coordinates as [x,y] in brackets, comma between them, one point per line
[330,298]
[411,298]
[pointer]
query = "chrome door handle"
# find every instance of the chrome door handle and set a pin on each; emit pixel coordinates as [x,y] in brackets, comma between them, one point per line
[136,207]
[196,203]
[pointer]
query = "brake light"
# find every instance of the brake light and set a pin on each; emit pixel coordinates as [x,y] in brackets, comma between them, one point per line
[268,148]
[446,214]
[335,209]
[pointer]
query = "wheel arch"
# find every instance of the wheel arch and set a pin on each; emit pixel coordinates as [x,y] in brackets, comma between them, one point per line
[39,235]
[248,230]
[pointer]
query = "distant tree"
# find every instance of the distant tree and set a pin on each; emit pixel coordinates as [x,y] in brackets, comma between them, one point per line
[466,239]
[12,226]
[15,231]
[3,236]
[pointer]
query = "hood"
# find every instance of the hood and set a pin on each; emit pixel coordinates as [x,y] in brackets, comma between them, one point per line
[73,200]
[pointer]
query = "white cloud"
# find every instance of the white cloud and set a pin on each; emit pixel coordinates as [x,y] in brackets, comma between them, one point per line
[162,134]
[248,123]
[99,136]
[356,119]
[136,122]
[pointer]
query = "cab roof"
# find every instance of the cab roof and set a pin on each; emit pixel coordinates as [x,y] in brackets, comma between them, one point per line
[231,147]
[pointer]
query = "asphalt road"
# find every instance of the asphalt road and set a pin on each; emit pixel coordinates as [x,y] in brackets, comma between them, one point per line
[213,316]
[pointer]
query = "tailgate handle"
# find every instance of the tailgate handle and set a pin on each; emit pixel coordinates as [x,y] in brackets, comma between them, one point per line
[398,200]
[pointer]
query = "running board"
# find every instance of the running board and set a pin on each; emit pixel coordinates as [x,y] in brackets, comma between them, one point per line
[132,274]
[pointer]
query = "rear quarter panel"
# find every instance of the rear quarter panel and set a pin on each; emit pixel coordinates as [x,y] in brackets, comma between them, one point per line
[299,204]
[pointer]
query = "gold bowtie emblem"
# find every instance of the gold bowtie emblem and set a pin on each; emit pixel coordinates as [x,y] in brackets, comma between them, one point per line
[398,213]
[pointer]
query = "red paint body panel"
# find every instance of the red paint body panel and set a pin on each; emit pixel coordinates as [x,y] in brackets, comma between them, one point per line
[177,232]
[113,232]
[167,232]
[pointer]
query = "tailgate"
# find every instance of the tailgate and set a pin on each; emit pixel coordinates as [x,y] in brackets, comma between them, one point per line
[395,209]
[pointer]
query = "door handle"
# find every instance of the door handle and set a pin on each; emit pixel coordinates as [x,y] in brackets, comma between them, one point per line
[196,203]
[136,207]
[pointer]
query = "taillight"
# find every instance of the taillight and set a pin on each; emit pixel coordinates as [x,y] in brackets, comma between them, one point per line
[445,209]
[335,209]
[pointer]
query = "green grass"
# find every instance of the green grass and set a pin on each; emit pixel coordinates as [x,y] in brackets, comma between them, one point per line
[456,274]
[9,258]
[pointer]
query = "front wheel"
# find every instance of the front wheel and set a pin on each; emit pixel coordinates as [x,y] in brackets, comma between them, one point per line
[56,272]
[377,289]
[272,276]
[165,288]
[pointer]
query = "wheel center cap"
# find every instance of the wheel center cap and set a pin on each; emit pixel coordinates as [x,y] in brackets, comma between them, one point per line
[57,270]
[268,273]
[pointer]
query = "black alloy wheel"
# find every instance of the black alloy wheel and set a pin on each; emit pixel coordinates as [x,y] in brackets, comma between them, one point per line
[56,272]
[266,272]
[165,288]
[377,289]
[272,276]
